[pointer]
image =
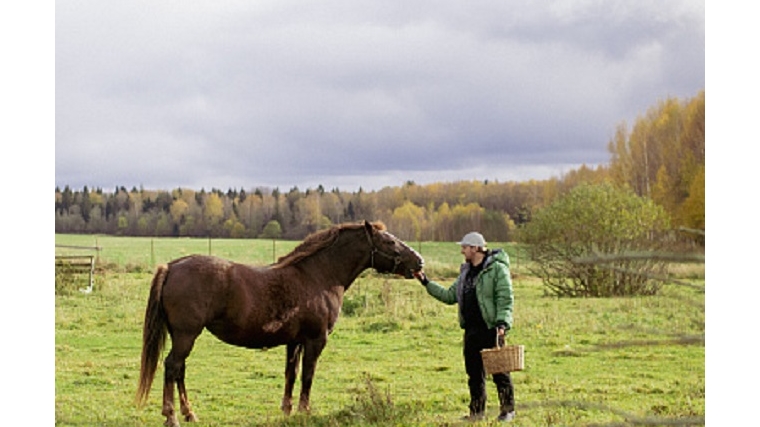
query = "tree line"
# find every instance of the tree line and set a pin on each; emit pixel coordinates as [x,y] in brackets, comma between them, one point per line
[661,157]
[410,211]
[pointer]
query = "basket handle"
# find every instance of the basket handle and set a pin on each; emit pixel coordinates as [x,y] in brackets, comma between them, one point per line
[504,340]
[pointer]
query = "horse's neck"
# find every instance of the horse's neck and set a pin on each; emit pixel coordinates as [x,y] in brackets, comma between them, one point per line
[342,262]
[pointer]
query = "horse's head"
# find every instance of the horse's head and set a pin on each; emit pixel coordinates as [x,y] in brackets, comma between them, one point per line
[390,254]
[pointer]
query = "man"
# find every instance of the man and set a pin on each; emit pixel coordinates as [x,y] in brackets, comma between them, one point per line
[483,291]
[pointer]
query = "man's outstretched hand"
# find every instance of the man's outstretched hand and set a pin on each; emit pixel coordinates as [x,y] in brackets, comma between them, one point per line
[422,277]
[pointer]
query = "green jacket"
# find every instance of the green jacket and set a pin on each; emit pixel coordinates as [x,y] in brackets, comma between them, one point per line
[493,289]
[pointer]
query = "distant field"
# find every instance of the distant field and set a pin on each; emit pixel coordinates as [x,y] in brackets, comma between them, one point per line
[144,253]
[395,355]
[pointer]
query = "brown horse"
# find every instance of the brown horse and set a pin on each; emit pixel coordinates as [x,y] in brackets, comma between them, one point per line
[294,302]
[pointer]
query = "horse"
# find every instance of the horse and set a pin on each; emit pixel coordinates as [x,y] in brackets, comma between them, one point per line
[294,302]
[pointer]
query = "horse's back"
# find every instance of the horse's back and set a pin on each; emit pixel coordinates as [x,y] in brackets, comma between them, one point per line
[233,301]
[196,290]
[195,273]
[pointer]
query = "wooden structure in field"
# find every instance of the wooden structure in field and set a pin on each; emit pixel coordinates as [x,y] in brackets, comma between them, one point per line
[78,263]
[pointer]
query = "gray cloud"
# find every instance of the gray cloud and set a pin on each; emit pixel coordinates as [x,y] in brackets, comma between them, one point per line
[245,94]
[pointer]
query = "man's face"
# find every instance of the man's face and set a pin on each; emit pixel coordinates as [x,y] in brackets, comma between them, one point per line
[469,252]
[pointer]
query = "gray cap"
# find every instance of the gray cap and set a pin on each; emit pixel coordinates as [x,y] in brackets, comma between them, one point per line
[473,239]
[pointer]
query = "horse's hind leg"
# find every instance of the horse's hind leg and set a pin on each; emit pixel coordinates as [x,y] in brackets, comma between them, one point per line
[293,357]
[174,372]
[312,350]
[184,403]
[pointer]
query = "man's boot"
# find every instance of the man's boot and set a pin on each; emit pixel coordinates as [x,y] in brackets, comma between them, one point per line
[506,406]
[477,410]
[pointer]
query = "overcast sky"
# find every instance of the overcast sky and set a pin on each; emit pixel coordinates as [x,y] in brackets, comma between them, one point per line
[245,94]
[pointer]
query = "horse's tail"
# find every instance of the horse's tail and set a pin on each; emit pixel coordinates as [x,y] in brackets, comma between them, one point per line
[154,335]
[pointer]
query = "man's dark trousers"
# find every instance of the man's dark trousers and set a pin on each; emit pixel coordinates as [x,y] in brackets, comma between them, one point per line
[477,339]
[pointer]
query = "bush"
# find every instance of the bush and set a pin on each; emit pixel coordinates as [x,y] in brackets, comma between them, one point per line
[272,230]
[594,220]
[375,407]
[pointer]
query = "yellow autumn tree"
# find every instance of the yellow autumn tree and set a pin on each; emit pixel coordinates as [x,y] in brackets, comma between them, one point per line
[692,213]
[213,211]
[178,209]
[442,223]
[407,221]
[662,155]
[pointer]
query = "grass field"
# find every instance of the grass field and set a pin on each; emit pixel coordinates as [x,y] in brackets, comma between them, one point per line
[395,355]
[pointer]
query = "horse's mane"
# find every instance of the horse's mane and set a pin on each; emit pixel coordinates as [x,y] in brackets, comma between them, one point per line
[315,242]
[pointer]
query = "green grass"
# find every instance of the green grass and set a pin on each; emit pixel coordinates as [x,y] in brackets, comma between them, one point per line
[394,357]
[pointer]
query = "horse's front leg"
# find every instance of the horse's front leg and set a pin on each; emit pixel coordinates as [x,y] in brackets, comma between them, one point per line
[293,356]
[312,350]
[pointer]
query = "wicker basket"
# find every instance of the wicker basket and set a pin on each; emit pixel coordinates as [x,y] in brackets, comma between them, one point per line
[507,358]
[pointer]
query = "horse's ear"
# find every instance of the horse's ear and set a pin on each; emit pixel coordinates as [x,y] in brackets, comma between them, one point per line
[369,227]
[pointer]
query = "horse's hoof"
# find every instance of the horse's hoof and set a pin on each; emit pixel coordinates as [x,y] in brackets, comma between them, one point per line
[171,422]
[191,417]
